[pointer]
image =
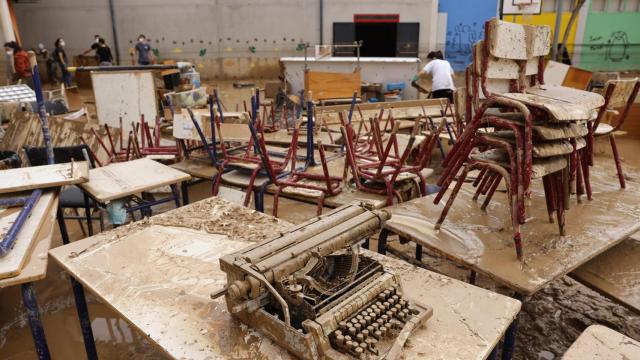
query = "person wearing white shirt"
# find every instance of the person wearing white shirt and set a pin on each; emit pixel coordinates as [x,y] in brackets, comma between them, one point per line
[442,76]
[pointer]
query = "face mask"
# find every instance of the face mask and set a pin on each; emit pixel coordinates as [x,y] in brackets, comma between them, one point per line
[141,40]
[97,40]
[61,43]
[9,52]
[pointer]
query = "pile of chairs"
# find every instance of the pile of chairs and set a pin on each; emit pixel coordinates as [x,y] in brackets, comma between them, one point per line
[519,129]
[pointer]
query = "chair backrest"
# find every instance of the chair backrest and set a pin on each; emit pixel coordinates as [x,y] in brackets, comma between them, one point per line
[621,93]
[37,156]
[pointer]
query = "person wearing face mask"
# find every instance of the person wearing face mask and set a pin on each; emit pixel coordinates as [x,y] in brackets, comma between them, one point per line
[143,50]
[94,46]
[60,57]
[21,64]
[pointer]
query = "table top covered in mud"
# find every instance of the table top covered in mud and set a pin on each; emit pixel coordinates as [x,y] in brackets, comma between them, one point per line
[601,343]
[483,241]
[615,273]
[159,274]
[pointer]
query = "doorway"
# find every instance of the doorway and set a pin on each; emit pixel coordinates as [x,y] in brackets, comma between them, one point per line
[378,39]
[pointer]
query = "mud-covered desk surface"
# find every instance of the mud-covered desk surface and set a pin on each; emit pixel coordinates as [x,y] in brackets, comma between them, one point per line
[158,275]
[483,241]
[601,343]
[615,273]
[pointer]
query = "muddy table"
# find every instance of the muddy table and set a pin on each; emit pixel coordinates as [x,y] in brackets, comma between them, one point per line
[615,273]
[482,241]
[601,343]
[27,261]
[158,275]
[122,180]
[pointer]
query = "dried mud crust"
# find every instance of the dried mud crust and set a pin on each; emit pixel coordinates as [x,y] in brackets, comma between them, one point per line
[216,216]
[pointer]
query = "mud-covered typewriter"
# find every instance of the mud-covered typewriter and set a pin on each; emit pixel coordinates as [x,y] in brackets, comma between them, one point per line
[313,292]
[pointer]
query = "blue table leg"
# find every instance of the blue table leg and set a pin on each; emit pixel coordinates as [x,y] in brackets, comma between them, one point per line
[365,244]
[176,195]
[87,213]
[185,192]
[382,241]
[509,346]
[259,199]
[418,252]
[494,353]
[37,331]
[81,301]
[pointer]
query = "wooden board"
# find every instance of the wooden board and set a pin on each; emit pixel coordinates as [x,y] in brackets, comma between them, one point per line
[119,180]
[601,343]
[196,168]
[615,273]
[483,241]
[161,283]
[42,177]
[43,212]
[328,85]
[408,109]
[35,266]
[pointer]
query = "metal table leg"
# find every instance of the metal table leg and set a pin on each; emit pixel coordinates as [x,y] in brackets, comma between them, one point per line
[418,252]
[37,331]
[509,346]
[494,353]
[258,194]
[176,194]
[382,241]
[80,300]
[184,187]
[87,213]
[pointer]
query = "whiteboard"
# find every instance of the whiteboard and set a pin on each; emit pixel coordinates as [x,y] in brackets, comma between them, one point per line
[126,94]
[521,7]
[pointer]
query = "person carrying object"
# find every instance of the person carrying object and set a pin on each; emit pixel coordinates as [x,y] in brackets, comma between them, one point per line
[442,76]
[21,64]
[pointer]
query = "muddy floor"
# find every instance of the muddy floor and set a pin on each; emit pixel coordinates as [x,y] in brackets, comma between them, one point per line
[549,321]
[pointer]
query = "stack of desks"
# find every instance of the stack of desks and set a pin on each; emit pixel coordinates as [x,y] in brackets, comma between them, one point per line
[158,276]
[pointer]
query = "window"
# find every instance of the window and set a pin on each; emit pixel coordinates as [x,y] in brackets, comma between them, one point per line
[598,5]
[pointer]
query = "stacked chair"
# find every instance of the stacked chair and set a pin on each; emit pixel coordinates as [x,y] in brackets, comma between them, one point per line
[519,129]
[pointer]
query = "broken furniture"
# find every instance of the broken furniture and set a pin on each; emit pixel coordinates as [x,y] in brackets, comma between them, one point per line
[598,342]
[197,328]
[125,180]
[541,136]
[477,241]
[618,94]
[312,292]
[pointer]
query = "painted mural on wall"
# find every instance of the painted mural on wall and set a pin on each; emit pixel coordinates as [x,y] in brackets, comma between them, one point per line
[464,28]
[611,41]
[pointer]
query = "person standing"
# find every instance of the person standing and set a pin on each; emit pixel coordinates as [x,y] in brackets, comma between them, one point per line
[60,57]
[442,76]
[143,50]
[21,64]
[104,53]
[94,46]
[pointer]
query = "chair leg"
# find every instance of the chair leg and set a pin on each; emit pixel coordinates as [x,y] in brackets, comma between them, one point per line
[276,197]
[579,179]
[585,176]
[491,191]
[549,197]
[452,197]
[616,157]
[560,202]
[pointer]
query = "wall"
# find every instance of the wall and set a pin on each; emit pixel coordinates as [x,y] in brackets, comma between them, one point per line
[464,27]
[549,18]
[612,41]
[423,11]
[225,38]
